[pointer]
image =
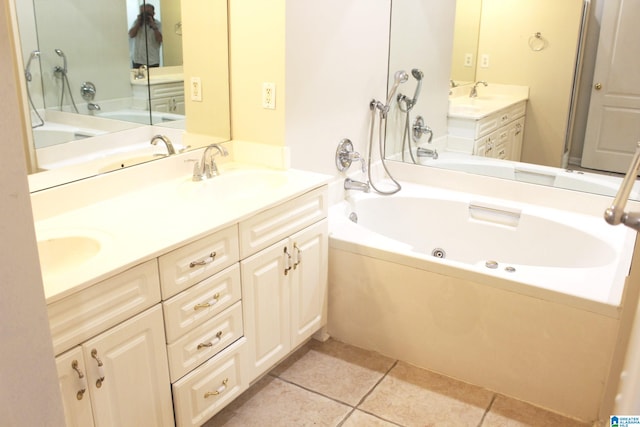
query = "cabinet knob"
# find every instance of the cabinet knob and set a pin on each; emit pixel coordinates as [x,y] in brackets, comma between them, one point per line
[203,305]
[298,254]
[598,86]
[287,261]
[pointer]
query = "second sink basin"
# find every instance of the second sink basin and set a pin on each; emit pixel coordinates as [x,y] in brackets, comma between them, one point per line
[61,253]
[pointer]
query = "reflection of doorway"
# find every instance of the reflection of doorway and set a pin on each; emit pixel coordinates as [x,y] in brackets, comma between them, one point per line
[613,127]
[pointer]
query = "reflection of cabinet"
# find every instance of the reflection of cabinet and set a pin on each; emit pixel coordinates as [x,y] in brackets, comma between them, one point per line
[124,376]
[167,97]
[498,135]
[284,284]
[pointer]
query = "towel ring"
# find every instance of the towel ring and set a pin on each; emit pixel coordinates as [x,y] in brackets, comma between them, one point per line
[537,42]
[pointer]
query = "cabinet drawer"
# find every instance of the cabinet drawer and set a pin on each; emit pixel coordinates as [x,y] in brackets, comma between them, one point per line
[205,391]
[193,262]
[205,341]
[200,303]
[488,124]
[167,90]
[272,225]
[82,315]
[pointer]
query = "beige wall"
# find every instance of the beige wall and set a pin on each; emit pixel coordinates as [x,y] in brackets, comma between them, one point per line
[465,40]
[257,46]
[548,73]
[204,25]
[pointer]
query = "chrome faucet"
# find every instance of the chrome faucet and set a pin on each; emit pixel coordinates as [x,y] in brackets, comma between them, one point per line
[207,167]
[140,73]
[166,141]
[351,184]
[93,106]
[426,152]
[474,90]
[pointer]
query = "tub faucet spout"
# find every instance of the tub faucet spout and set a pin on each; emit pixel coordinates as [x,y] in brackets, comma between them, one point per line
[425,152]
[351,184]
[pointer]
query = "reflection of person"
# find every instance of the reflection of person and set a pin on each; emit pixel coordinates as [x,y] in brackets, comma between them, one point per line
[146,33]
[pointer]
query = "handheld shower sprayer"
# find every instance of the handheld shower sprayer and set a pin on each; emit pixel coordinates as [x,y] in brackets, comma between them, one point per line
[27,69]
[398,78]
[404,102]
[61,54]
[418,75]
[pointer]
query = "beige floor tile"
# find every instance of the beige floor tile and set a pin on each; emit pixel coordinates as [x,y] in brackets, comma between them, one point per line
[361,419]
[336,370]
[272,402]
[415,397]
[507,412]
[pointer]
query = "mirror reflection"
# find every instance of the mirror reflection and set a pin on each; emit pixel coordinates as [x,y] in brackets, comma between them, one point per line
[511,103]
[89,108]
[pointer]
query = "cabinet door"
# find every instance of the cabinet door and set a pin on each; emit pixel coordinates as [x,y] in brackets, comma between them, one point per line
[135,389]
[265,296]
[73,385]
[516,135]
[308,281]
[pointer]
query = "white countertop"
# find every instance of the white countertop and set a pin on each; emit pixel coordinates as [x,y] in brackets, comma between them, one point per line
[490,98]
[141,224]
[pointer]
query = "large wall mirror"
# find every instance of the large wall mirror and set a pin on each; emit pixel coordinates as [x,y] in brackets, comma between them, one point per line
[538,45]
[82,87]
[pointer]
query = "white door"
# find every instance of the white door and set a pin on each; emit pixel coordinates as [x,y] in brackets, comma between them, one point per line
[613,127]
[132,386]
[309,281]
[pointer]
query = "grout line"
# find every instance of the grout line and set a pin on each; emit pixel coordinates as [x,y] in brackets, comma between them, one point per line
[376,384]
[487,410]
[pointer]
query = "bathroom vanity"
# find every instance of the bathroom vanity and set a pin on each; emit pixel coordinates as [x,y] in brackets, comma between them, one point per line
[191,291]
[490,124]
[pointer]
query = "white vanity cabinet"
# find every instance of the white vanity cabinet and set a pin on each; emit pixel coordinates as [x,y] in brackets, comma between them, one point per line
[284,284]
[123,373]
[498,135]
[167,97]
[114,332]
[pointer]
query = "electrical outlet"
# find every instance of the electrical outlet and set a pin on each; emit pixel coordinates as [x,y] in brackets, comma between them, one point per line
[196,89]
[269,95]
[468,59]
[484,61]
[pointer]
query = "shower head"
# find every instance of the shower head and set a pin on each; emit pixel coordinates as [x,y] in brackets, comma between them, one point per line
[418,75]
[61,54]
[27,69]
[399,77]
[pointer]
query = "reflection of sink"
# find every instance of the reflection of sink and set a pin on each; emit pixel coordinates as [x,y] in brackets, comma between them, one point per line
[234,184]
[58,254]
[129,161]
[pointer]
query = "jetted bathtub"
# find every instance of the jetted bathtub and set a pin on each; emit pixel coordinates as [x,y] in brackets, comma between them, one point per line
[521,299]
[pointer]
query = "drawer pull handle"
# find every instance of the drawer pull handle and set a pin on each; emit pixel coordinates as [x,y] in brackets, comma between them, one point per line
[203,305]
[211,343]
[83,380]
[287,261]
[298,254]
[204,261]
[99,381]
[219,390]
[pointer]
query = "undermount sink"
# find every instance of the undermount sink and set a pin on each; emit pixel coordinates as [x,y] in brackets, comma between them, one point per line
[61,253]
[234,184]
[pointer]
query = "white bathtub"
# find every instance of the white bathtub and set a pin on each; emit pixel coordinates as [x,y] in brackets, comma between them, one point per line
[140,116]
[529,173]
[540,327]
[53,134]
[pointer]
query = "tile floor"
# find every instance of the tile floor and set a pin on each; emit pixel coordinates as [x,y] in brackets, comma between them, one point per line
[335,384]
